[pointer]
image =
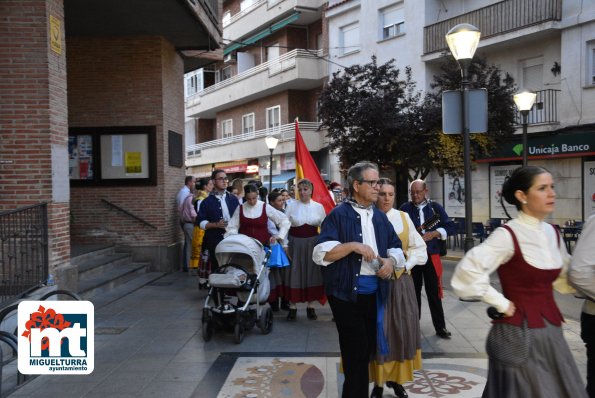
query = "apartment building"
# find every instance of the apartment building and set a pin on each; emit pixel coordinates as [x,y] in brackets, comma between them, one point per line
[272,72]
[548,46]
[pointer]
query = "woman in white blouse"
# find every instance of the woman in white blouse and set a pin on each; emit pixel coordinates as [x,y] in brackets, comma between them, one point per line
[528,356]
[303,283]
[251,218]
[401,313]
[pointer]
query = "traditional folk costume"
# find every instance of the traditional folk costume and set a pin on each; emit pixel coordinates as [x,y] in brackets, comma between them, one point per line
[528,354]
[401,315]
[303,280]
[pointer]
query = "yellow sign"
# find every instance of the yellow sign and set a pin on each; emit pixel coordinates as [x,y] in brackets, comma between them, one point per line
[133,163]
[55,34]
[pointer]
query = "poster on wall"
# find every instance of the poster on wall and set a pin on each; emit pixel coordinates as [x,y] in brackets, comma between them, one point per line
[499,174]
[80,157]
[589,188]
[454,196]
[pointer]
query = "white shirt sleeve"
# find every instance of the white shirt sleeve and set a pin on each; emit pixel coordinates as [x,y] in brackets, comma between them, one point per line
[581,273]
[471,278]
[280,220]
[320,251]
[233,227]
[417,253]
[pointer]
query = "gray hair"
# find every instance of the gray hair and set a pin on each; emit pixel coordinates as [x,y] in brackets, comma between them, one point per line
[422,182]
[356,173]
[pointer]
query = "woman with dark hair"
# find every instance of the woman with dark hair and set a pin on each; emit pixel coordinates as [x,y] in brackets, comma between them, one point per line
[528,356]
[457,190]
[251,219]
[303,281]
[400,314]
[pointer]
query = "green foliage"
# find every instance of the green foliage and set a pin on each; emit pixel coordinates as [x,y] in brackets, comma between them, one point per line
[373,113]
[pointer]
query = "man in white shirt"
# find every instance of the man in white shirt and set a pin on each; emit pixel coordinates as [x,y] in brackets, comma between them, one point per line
[581,275]
[189,182]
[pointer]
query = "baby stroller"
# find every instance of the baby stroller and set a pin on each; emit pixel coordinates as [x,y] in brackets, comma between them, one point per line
[239,289]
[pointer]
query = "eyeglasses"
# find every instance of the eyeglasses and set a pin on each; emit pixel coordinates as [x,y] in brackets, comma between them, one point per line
[373,183]
[222,179]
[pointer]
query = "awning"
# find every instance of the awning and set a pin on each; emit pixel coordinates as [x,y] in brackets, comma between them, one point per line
[234,166]
[262,34]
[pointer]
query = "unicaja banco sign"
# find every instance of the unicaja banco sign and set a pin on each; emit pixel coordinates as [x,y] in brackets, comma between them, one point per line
[56,337]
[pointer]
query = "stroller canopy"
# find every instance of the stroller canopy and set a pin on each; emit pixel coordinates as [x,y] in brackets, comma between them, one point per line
[229,248]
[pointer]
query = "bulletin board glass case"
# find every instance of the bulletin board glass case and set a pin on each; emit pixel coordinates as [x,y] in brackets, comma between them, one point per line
[112,156]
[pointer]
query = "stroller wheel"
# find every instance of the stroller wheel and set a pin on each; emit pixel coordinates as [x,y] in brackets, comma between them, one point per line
[265,322]
[238,331]
[207,329]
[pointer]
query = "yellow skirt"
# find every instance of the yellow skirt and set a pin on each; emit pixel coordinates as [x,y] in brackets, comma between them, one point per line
[196,247]
[400,372]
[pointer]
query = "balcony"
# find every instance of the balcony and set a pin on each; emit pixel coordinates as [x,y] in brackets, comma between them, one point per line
[262,12]
[295,70]
[545,110]
[252,144]
[496,19]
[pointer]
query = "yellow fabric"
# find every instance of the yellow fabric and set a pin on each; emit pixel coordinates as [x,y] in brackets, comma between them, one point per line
[400,372]
[404,237]
[197,237]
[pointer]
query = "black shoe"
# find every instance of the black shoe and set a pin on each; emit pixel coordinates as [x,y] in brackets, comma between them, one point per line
[377,392]
[275,306]
[443,333]
[292,314]
[311,313]
[399,389]
[284,305]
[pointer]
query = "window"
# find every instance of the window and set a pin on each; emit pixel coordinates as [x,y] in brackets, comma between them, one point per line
[349,38]
[274,117]
[225,73]
[245,4]
[591,66]
[194,82]
[272,51]
[392,21]
[248,123]
[227,128]
[226,17]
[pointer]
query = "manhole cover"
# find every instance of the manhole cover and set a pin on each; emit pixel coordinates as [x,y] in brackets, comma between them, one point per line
[112,330]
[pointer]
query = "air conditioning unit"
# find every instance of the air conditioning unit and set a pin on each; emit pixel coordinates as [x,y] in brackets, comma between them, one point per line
[229,58]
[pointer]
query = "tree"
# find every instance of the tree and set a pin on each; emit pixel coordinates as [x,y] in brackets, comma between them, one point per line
[447,157]
[372,114]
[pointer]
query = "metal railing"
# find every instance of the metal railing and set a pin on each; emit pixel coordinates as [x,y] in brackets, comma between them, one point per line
[545,109]
[274,66]
[496,19]
[24,257]
[283,133]
[115,206]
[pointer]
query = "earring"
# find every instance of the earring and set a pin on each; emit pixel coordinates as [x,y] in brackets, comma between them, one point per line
[524,202]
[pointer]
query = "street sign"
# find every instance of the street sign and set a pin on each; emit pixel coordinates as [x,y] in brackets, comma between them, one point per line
[477,114]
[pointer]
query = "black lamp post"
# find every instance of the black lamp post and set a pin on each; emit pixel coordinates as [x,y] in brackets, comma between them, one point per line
[462,41]
[271,144]
[524,102]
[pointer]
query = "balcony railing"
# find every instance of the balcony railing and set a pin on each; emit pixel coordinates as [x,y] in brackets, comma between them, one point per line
[496,19]
[274,66]
[283,133]
[545,110]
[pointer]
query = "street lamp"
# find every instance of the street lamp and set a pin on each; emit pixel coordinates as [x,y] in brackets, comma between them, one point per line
[524,102]
[462,41]
[271,144]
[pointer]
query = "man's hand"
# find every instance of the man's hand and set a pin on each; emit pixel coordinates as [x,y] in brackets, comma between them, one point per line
[219,224]
[386,269]
[428,236]
[366,251]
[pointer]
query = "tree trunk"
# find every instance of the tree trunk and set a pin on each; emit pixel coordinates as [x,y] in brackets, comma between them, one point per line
[401,185]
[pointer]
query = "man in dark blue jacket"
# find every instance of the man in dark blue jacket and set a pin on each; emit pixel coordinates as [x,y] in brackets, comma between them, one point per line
[421,209]
[358,251]
[214,213]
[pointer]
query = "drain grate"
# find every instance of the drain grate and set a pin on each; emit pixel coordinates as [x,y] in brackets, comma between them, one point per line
[161,283]
[112,330]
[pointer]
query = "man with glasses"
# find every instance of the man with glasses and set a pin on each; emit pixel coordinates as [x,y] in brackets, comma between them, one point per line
[358,250]
[215,212]
[420,209]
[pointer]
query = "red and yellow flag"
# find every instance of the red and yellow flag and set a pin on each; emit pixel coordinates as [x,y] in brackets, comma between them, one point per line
[306,168]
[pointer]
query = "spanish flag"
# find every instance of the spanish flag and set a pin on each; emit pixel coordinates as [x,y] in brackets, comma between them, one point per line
[306,168]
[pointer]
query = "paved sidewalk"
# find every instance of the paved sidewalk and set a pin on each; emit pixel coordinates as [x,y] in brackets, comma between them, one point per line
[149,344]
